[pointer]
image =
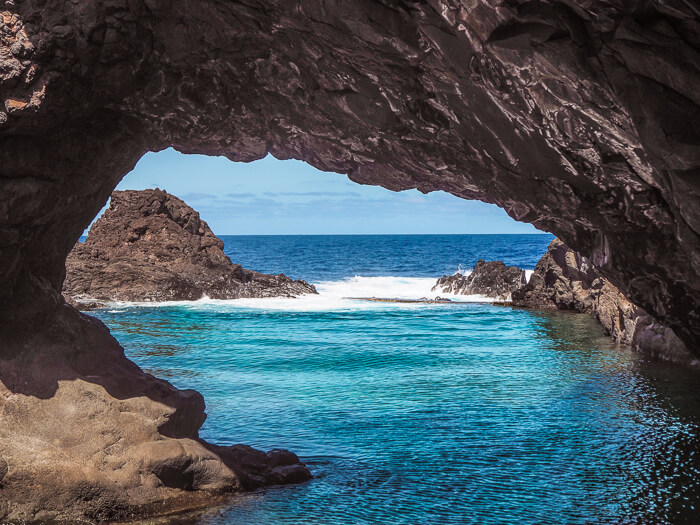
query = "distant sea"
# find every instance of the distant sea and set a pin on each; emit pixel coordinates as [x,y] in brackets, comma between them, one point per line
[453,413]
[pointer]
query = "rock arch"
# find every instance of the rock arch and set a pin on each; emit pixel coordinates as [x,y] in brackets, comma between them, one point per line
[580,117]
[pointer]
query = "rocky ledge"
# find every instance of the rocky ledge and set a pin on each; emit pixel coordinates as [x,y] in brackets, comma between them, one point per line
[151,246]
[85,435]
[492,279]
[565,280]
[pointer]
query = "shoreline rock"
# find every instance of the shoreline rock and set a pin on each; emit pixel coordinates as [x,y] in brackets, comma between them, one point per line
[565,280]
[492,279]
[85,434]
[151,246]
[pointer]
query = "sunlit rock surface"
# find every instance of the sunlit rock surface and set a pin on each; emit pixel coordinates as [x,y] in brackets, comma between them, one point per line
[151,246]
[85,434]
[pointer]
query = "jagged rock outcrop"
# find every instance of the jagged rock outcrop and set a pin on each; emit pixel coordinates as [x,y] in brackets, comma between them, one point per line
[492,279]
[85,434]
[581,117]
[565,280]
[151,246]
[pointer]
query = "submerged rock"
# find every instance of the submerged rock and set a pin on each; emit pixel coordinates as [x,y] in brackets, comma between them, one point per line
[492,279]
[151,246]
[565,280]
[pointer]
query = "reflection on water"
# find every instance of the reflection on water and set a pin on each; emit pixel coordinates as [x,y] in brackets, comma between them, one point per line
[434,414]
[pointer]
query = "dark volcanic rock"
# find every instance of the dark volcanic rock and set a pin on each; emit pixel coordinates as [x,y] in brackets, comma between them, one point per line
[562,279]
[492,279]
[151,246]
[579,116]
[565,280]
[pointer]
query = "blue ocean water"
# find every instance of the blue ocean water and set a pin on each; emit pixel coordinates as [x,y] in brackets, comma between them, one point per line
[425,413]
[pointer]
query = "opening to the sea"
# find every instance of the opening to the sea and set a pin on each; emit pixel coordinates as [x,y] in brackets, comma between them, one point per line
[407,410]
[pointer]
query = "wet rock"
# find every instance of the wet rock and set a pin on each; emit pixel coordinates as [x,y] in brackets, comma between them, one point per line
[151,246]
[492,279]
[565,280]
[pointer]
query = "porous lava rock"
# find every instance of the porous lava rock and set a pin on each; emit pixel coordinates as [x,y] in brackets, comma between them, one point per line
[86,435]
[565,280]
[151,246]
[492,279]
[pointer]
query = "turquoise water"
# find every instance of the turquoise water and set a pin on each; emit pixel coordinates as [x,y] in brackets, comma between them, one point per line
[425,413]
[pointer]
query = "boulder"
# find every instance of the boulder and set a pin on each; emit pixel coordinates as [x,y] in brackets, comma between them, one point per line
[151,246]
[492,279]
[87,436]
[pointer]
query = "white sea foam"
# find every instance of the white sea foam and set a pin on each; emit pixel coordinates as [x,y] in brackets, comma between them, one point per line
[345,294]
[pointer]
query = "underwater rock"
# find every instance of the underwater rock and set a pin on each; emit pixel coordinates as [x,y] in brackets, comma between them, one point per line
[492,279]
[151,246]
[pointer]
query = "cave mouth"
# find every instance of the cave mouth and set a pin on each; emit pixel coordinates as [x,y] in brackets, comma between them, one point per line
[428,401]
[289,197]
[580,120]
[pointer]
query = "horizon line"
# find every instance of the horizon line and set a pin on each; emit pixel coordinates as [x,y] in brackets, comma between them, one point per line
[355,234]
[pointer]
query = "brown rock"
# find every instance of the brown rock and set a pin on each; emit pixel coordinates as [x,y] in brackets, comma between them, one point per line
[580,117]
[562,279]
[85,434]
[151,246]
[565,280]
[492,279]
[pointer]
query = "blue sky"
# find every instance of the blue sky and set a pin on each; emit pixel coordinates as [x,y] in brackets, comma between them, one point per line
[270,196]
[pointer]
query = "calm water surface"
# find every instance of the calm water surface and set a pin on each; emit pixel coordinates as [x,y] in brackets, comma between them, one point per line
[420,413]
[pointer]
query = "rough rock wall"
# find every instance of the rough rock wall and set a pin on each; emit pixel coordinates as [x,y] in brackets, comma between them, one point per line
[565,280]
[579,116]
[151,246]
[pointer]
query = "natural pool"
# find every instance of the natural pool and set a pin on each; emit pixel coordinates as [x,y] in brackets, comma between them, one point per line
[434,413]
[425,413]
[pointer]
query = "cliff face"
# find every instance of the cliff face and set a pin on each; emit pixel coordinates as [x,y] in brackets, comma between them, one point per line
[151,246]
[565,280]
